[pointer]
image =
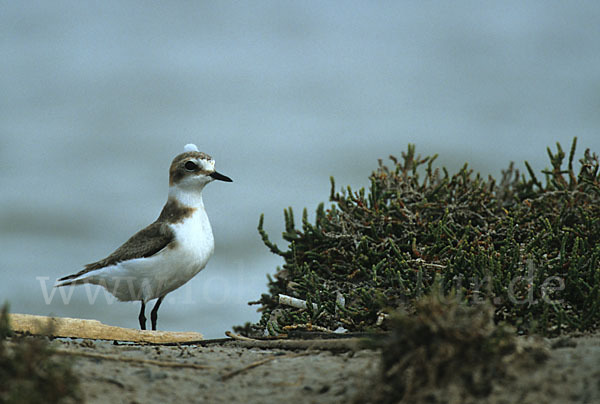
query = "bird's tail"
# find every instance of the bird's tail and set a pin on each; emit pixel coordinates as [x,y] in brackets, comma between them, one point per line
[70,280]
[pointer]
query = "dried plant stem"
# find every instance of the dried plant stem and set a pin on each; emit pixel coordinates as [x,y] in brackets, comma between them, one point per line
[169,364]
[229,375]
[239,337]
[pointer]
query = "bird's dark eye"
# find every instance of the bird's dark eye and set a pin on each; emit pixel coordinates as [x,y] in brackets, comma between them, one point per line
[191,166]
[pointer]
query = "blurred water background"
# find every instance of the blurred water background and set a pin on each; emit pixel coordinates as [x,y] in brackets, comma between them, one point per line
[98,97]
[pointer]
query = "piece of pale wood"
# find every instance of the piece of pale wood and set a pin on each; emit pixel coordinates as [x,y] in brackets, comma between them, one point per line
[66,327]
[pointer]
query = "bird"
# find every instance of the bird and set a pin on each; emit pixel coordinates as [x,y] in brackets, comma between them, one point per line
[169,252]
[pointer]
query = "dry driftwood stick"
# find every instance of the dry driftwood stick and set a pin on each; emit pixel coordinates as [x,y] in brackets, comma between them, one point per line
[92,329]
[169,364]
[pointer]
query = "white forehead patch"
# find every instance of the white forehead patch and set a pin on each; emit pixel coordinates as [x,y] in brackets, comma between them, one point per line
[207,165]
[190,147]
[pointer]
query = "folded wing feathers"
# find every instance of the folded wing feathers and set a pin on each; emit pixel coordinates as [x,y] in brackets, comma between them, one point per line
[143,244]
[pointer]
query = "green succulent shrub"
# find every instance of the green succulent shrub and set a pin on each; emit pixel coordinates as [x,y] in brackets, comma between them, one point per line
[529,246]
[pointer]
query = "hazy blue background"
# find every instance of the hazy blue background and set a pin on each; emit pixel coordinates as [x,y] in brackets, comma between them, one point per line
[98,97]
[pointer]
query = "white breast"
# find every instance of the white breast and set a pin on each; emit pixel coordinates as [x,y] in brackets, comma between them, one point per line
[194,242]
[193,246]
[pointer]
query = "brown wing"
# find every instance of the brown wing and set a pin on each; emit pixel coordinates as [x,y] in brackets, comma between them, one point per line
[142,244]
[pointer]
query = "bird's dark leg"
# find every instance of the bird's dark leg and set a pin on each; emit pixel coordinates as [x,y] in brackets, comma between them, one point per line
[154,313]
[142,317]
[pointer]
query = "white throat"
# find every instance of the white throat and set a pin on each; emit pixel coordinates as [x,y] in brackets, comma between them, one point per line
[187,197]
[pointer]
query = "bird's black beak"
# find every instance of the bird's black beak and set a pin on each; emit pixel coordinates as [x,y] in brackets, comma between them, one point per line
[220,177]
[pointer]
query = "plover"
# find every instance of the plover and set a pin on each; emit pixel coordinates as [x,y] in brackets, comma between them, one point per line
[163,256]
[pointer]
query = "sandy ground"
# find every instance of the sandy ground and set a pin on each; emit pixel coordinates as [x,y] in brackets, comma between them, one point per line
[295,376]
[122,373]
[571,374]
